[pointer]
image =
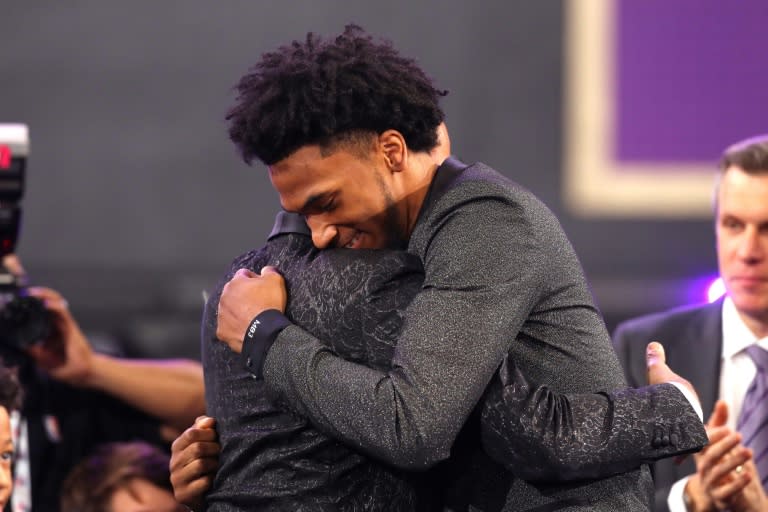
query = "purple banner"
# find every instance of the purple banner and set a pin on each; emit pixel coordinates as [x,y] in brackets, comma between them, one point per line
[692,77]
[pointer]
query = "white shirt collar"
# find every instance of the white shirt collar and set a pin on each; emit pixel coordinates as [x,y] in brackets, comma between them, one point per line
[736,334]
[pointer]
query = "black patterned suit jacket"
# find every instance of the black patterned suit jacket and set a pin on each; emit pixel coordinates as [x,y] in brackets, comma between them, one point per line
[275,460]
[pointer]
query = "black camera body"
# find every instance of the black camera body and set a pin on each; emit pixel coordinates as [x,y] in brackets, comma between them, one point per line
[24,320]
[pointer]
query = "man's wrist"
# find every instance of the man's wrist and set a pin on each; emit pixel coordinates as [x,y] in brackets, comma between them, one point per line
[92,371]
[259,337]
[693,499]
[687,500]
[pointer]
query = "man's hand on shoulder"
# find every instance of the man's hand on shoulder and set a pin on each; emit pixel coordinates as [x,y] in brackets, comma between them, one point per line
[245,296]
[67,355]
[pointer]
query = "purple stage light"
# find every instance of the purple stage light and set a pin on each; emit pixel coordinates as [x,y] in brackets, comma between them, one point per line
[715,290]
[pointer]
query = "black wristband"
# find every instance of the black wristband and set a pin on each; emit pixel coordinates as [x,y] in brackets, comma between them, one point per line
[259,337]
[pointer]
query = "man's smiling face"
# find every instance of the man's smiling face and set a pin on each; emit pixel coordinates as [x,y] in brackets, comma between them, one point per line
[346,197]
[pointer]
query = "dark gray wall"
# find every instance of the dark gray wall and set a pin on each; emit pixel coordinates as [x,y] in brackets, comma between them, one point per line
[136,200]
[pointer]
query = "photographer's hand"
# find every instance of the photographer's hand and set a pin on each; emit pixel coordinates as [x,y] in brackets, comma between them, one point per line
[66,355]
[13,265]
[171,390]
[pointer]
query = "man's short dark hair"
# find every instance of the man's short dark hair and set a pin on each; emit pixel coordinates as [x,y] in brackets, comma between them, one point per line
[10,389]
[321,91]
[750,154]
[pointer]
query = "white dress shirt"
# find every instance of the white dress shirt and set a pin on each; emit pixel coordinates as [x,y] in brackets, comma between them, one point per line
[736,373]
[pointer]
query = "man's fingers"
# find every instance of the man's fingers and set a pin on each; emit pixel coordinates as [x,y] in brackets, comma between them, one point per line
[716,452]
[659,372]
[199,450]
[244,272]
[719,415]
[719,449]
[728,476]
[194,462]
[189,493]
[656,363]
[12,263]
[203,450]
[725,492]
[41,292]
[200,459]
[191,483]
[53,300]
[205,422]
[716,434]
[247,273]
[192,436]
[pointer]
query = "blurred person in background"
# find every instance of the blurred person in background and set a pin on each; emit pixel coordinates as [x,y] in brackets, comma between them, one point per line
[78,399]
[721,349]
[10,403]
[120,477]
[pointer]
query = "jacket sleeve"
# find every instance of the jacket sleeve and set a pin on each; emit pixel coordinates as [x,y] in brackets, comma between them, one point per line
[456,331]
[486,265]
[629,341]
[578,436]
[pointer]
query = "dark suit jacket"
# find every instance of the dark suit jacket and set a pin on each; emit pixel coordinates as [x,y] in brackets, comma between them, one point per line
[501,279]
[274,460]
[692,339]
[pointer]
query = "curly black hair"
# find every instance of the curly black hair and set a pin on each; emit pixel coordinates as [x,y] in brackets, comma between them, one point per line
[321,91]
[10,389]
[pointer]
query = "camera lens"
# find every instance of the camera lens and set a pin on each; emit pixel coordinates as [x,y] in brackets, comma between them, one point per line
[24,321]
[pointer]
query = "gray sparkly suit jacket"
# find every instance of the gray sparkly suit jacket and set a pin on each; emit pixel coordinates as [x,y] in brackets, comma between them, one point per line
[502,283]
[692,339]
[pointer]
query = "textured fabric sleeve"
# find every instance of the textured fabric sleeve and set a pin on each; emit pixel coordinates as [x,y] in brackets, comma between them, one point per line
[579,436]
[479,287]
[485,266]
[629,341]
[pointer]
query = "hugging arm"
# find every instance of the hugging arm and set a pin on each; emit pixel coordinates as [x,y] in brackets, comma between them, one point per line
[449,350]
[541,435]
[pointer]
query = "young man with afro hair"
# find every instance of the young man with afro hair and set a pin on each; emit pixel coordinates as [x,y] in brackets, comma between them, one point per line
[345,126]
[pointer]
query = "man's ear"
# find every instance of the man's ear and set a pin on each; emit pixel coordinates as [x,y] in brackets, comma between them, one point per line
[394,149]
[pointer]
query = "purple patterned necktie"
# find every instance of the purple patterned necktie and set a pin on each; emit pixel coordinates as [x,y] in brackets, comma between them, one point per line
[753,421]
